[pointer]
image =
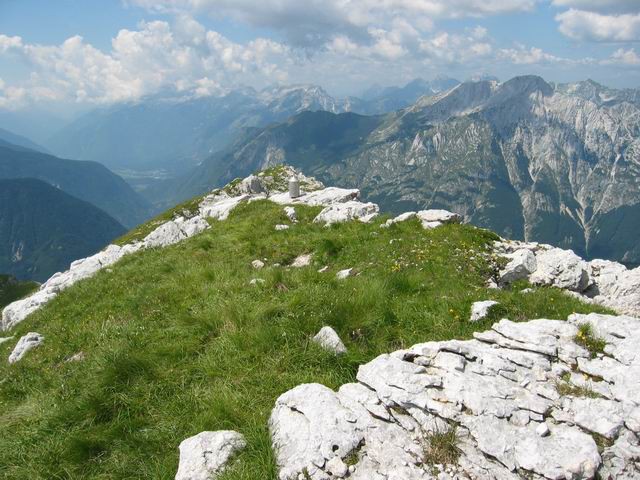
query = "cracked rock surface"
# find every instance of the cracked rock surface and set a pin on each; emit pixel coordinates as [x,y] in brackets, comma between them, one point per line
[499,391]
[205,456]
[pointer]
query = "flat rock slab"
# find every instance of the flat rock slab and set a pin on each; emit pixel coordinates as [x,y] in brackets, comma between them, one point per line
[501,392]
[205,456]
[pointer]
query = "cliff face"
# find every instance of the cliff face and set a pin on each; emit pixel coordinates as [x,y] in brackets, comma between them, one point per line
[532,161]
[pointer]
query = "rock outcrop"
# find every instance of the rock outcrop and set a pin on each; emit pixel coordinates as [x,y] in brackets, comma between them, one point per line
[28,342]
[606,283]
[500,392]
[205,456]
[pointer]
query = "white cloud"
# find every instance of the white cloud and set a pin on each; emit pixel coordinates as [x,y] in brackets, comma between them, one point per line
[624,58]
[602,6]
[311,23]
[521,55]
[140,62]
[585,25]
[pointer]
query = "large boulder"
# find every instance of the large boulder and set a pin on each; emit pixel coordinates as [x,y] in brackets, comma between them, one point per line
[562,269]
[347,211]
[205,456]
[435,218]
[614,286]
[522,263]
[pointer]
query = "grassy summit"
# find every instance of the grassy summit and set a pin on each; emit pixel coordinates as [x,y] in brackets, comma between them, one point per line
[176,341]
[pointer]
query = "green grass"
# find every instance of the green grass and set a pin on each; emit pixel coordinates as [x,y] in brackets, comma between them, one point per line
[441,447]
[589,340]
[177,342]
[565,388]
[12,289]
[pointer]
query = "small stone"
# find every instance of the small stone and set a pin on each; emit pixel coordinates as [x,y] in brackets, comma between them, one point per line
[342,274]
[291,214]
[257,264]
[328,339]
[256,281]
[480,310]
[78,357]
[282,227]
[323,269]
[543,429]
[302,260]
[28,342]
[337,467]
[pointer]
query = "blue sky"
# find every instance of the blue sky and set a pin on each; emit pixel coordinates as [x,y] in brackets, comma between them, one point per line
[73,52]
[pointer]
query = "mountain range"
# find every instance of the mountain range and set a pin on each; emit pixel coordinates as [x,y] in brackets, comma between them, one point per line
[528,159]
[88,181]
[174,134]
[43,229]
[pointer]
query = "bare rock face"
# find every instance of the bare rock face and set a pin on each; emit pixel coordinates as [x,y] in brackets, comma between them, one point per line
[205,456]
[347,211]
[328,339]
[522,263]
[30,341]
[499,392]
[562,269]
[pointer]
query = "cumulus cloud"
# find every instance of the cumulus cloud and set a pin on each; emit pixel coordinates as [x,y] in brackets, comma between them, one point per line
[623,57]
[586,25]
[140,62]
[521,55]
[312,23]
[602,6]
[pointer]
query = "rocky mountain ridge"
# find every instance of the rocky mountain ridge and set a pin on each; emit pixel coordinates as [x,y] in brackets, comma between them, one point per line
[539,399]
[527,159]
[175,133]
[607,283]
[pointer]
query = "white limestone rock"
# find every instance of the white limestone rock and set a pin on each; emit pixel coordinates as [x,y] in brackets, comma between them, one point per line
[175,231]
[303,260]
[205,456]
[522,263]
[16,312]
[281,227]
[480,310]
[347,211]
[324,197]
[5,339]
[614,286]
[309,426]
[342,274]
[291,214]
[403,217]
[28,342]
[257,264]
[219,205]
[435,218]
[562,269]
[599,415]
[328,339]
[501,392]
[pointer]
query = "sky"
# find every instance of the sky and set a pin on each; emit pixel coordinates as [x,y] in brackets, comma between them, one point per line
[100,52]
